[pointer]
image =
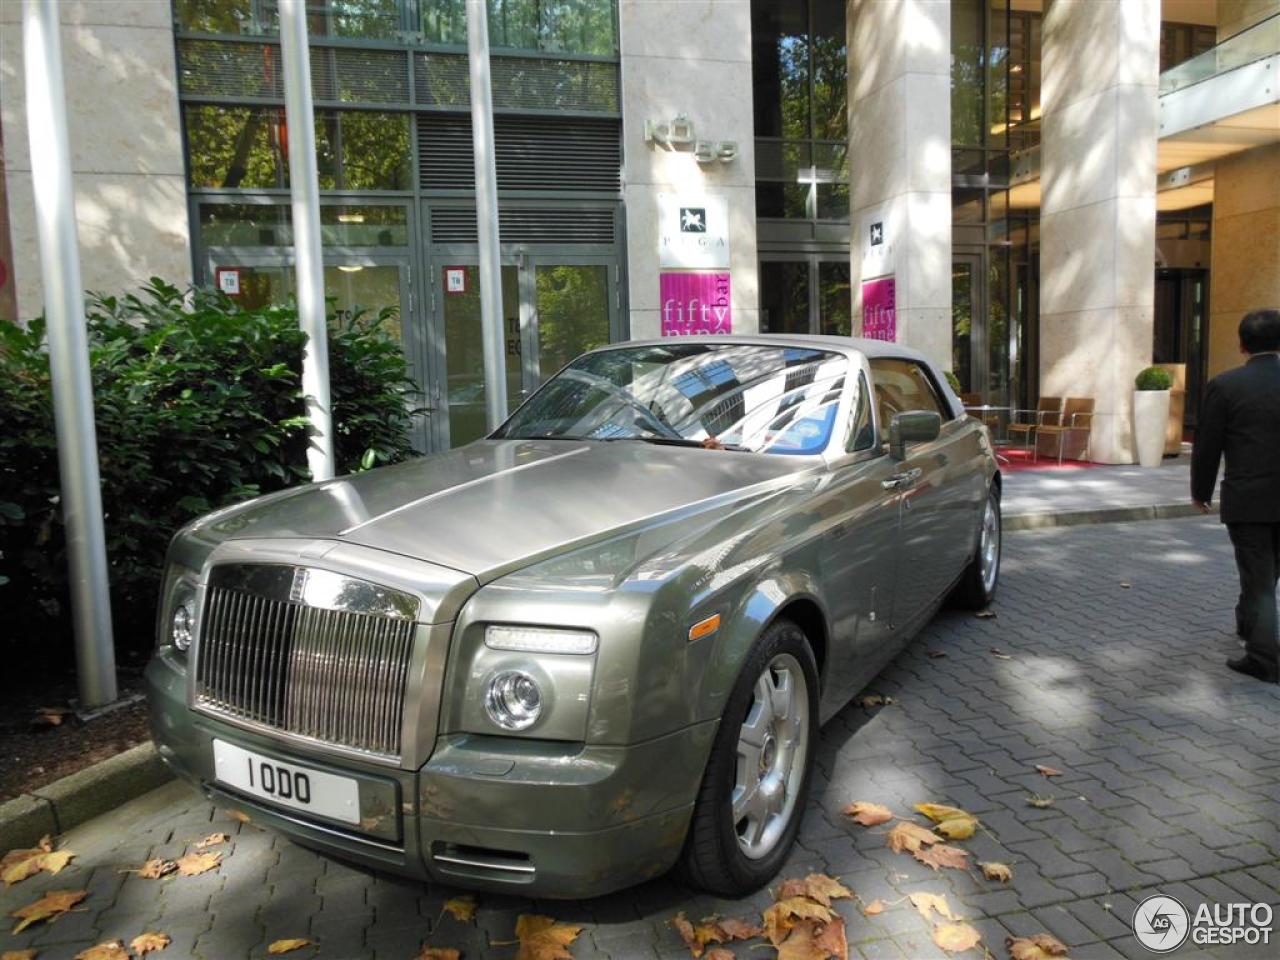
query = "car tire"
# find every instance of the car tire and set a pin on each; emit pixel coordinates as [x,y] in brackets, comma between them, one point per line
[731,852]
[977,586]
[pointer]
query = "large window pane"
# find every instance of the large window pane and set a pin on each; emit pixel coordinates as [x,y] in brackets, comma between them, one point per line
[830,72]
[780,69]
[835,299]
[268,225]
[784,296]
[568,26]
[359,150]
[968,72]
[369,19]
[573,313]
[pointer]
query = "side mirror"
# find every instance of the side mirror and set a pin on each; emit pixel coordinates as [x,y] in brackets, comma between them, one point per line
[912,426]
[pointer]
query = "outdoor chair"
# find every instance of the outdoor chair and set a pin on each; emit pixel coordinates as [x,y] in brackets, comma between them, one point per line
[991,420]
[1048,412]
[1076,425]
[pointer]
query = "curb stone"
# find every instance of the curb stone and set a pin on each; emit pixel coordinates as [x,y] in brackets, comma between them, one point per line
[63,804]
[68,802]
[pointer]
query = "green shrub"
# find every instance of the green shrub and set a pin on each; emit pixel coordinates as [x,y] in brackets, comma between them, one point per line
[953,380]
[197,405]
[1154,378]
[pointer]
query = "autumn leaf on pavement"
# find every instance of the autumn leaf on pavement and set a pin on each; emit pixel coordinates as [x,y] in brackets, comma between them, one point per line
[194,864]
[956,937]
[145,943]
[212,840]
[999,654]
[49,907]
[1036,800]
[50,716]
[19,954]
[155,869]
[697,937]
[997,871]
[238,815]
[1040,947]
[832,941]
[824,889]
[942,855]
[873,908]
[462,909]
[780,918]
[438,953]
[874,700]
[938,812]
[111,950]
[957,828]
[738,928]
[985,614]
[18,865]
[278,947]
[719,953]
[909,836]
[936,654]
[868,814]
[927,904]
[542,938]
[1048,771]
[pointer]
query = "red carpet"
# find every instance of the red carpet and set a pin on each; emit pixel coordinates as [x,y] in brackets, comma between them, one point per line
[1015,459]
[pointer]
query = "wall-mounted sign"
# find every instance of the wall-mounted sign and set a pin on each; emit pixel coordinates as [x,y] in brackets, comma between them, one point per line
[228,279]
[879,309]
[693,232]
[877,233]
[877,243]
[677,134]
[455,279]
[695,304]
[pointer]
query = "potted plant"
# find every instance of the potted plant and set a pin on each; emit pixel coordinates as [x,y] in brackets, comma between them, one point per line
[1151,414]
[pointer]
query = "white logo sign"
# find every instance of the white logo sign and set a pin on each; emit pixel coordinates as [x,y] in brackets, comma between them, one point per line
[455,279]
[1161,923]
[229,280]
[693,232]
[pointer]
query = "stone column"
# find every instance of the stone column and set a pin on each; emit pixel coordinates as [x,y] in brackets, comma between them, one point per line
[691,58]
[1244,270]
[126,148]
[1097,215]
[900,163]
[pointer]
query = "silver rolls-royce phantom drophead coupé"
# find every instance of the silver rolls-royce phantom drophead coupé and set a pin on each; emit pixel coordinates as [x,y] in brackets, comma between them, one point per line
[596,644]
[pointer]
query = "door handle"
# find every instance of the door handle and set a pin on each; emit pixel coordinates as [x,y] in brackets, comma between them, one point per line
[900,480]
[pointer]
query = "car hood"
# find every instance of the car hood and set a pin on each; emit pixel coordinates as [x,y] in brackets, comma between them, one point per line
[495,505]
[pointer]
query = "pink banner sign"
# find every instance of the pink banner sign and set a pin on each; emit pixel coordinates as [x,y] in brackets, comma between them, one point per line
[879,309]
[695,304]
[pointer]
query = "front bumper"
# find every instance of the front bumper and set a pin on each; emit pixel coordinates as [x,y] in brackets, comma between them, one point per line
[533,817]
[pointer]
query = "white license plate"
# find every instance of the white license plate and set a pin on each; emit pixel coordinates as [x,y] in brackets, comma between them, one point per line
[287,784]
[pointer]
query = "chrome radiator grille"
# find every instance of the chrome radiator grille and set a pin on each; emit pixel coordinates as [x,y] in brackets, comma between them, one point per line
[307,652]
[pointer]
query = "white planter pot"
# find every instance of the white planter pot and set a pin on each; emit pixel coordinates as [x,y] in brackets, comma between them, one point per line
[1150,420]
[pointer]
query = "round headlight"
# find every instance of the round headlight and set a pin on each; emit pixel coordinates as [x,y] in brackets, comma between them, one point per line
[181,630]
[513,700]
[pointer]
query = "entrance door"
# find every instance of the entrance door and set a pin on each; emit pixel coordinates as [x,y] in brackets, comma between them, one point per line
[805,293]
[372,286]
[555,306]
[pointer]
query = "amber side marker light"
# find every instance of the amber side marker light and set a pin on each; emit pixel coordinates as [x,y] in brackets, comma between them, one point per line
[704,628]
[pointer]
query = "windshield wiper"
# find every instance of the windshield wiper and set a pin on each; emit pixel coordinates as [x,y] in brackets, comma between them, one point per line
[682,442]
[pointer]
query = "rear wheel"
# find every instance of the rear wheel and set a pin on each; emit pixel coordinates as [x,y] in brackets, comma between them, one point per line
[753,791]
[977,586]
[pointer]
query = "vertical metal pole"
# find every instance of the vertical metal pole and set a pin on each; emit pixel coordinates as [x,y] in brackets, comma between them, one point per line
[68,353]
[304,189]
[491,330]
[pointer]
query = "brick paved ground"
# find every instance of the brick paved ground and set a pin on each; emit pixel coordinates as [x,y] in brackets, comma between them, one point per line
[1171,783]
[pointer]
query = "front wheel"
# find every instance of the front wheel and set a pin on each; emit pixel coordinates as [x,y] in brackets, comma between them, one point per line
[977,585]
[753,791]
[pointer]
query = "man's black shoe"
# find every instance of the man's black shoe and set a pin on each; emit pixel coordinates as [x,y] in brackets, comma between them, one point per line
[1252,668]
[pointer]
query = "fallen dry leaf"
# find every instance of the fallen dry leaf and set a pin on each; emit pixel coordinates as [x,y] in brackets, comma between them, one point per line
[155,869]
[54,862]
[824,889]
[145,943]
[278,947]
[194,864]
[1040,947]
[18,865]
[927,904]
[739,928]
[542,938]
[985,614]
[873,908]
[1040,802]
[831,939]
[1124,585]
[697,937]
[780,918]
[957,828]
[50,716]
[937,812]
[868,814]
[438,953]
[19,954]
[956,937]
[874,700]
[462,909]
[49,907]
[237,815]
[997,871]
[719,953]
[111,950]
[936,654]
[810,940]
[909,836]
[942,855]
[999,654]
[1048,771]
[212,840]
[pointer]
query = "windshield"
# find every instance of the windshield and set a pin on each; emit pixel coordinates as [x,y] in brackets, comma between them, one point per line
[737,396]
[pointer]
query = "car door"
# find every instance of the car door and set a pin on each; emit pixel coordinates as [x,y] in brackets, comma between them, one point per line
[858,556]
[936,512]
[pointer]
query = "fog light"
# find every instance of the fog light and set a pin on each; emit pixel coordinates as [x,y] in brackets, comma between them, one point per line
[181,630]
[513,700]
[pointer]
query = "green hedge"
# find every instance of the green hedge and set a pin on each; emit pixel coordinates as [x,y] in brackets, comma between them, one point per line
[198,404]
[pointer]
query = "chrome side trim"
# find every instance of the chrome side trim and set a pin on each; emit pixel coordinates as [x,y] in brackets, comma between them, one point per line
[482,864]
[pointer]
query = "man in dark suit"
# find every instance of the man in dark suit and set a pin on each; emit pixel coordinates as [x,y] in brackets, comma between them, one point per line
[1240,417]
